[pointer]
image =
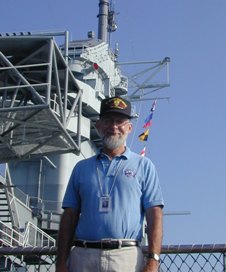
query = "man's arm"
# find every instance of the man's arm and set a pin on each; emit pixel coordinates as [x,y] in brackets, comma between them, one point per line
[68,224]
[154,218]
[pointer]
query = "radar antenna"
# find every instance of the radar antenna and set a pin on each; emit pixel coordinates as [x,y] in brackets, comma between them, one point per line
[112,24]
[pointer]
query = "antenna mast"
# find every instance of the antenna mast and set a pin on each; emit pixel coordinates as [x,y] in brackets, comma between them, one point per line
[103,20]
[107,21]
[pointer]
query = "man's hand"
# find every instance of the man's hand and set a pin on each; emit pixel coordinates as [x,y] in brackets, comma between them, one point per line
[154,217]
[151,266]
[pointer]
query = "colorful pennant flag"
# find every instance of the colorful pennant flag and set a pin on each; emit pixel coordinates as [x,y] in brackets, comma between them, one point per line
[144,136]
[142,153]
[148,120]
[153,105]
[147,123]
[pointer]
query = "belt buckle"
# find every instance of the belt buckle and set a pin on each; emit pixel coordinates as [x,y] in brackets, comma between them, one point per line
[105,242]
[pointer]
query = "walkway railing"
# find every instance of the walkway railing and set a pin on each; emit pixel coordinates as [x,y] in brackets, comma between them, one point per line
[32,237]
[174,258]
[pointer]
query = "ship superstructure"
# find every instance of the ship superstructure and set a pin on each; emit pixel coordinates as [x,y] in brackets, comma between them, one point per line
[50,97]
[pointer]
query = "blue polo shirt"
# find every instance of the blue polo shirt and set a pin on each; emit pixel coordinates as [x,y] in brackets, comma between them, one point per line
[130,180]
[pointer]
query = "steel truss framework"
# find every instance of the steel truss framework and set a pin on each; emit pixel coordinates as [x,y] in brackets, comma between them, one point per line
[38,97]
[141,83]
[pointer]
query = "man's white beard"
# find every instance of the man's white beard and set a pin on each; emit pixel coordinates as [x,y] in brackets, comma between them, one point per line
[111,142]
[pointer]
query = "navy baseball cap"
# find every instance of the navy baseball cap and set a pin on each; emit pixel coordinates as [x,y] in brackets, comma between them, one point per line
[115,104]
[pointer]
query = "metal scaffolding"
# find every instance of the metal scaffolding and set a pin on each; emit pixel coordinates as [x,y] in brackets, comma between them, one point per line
[38,97]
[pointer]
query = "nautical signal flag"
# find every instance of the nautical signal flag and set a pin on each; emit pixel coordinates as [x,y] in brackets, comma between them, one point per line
[142,153]
[148,120]
[147,123]
[153,105]
[144,136]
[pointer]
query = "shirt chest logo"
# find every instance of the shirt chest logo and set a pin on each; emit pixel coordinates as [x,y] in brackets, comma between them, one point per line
[129,173]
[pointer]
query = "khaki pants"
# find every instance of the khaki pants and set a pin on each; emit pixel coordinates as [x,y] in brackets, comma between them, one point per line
[126,259]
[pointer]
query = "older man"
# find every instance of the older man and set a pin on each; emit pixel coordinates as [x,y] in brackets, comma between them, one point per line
[107,198]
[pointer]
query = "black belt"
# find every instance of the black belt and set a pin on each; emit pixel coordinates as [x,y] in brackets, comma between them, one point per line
[106,244]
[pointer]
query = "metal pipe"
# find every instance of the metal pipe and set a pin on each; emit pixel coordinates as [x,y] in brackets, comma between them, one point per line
[172,249]
[49,71]
[50,162]
[224,262]
[103,20]
[40,179]
[66,74]
[66,46]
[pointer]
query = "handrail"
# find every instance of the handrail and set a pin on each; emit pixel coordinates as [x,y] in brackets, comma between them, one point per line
[166,249]
[39,238]
[195,248]
[174,258]
[32,237]
[9,236]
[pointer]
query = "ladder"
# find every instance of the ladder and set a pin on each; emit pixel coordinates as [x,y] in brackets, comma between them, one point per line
[5,214]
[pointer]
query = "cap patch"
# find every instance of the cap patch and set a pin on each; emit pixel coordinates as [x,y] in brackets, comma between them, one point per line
[117,103]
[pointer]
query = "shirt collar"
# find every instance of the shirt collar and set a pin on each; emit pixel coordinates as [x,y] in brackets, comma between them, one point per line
[125,155]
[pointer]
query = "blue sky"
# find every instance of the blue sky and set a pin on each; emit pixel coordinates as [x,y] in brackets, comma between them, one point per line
[188,134]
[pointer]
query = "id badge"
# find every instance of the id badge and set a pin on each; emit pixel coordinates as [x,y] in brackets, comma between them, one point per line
[105,204]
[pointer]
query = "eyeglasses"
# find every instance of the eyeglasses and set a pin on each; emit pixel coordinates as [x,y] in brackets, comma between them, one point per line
[114,121]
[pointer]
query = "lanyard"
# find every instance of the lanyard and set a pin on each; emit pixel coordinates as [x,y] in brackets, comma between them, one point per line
[113,184]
